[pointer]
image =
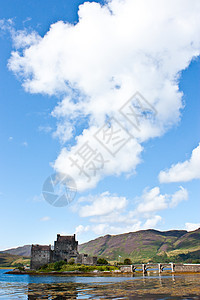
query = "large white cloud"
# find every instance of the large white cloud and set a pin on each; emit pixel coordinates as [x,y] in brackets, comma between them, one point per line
[112,52]
[107,213]
[102,205]
[152,200]
[183,171]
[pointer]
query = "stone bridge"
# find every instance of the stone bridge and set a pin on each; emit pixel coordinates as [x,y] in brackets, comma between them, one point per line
[160,267]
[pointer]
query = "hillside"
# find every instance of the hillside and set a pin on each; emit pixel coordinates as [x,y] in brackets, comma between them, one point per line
[9,260]
[22,251]
[140,246]
[146,245]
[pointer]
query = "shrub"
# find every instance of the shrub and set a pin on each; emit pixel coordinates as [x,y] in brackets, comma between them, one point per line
[58,265]
[127,261]
[21,268]
[102,261]
[18,265]
[71,261]
[44,267]
[119,263]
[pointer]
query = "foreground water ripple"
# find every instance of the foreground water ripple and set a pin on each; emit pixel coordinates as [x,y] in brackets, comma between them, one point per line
[99,287]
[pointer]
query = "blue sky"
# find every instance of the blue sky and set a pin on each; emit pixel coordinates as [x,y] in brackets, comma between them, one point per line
[60,84]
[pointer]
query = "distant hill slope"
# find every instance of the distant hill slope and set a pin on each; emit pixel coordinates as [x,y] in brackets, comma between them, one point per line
[189,239]
[9,260]
[140,246]
[146,245]
[22,251]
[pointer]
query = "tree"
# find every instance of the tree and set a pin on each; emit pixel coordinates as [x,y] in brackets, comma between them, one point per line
[127,261]
[58,265]
[71,261]
[102,261]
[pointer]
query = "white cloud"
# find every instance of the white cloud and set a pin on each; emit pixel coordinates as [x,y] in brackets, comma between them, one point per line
[97,64]
[64,132]
[192,226]
[178,197]
[184,171]
[87,174]
[45,219]
[113,214]
[102,204]
[6,25]
[107,228]
[152,222]
[152,200]
[10,138]
[24,39]
[117,228]
[80,229]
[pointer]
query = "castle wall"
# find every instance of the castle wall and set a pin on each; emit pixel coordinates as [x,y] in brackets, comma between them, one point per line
[40,255]
[86,260]
[65,248]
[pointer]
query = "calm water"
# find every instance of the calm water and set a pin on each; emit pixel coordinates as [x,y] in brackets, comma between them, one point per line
[96,287]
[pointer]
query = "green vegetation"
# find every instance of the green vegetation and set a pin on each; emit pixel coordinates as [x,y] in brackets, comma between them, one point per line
[127,261]
[13,261]
[62,266]
[191,257]
[71,261]
[140,247]
[59,265]
[102,261]
[147,246]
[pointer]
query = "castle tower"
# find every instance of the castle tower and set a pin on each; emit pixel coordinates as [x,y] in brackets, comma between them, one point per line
[65,247]
[40,255]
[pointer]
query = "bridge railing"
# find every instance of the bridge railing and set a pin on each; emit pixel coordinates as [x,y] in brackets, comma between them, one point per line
[160,267]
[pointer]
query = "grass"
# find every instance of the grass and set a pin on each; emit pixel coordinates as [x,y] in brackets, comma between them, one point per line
[75,267]
[180,251]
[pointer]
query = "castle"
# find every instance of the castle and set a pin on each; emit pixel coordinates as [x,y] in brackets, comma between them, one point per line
[65,248]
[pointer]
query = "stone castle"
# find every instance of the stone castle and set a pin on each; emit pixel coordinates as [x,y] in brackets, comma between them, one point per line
[65,248]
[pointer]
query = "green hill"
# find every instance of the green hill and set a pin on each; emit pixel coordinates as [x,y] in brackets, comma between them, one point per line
[9,260]
[22,251]
[141,246]
[147,245]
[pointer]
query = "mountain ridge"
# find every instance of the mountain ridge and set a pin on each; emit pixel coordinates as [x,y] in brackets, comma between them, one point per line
[140,246]
[144,245]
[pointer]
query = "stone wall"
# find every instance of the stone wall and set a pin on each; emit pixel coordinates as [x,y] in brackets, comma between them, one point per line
[187,268]
[40,255]
[126,269]
[86,260]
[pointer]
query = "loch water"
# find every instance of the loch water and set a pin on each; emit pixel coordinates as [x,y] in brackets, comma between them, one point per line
[138,286]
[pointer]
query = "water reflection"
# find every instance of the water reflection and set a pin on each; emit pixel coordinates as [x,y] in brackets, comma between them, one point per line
[52,291]
[149,286]
[142,287]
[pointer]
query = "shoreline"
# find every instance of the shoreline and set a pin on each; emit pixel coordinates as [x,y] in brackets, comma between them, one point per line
[101,273]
